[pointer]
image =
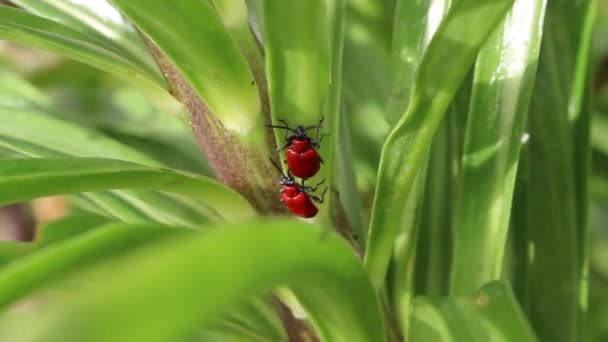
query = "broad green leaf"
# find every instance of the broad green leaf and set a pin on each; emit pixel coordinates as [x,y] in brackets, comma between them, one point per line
[448,58]
[52,262]
[502,88]
[23,179]
[490,314]
[554,298]
[414,26]
[197,278]
[100,22]
[30,30]
[194,38]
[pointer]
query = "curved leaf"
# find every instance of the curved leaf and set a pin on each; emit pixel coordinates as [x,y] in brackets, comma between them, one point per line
[415,24]
[502,88]
[99,21]
[448,58]
[38,134]
[192,35]
[490,314]
[30,30]
[196,278]
[23,179]
[42,266]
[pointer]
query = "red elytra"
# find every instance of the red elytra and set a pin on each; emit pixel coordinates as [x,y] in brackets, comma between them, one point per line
[301,154]
[296,197]
[298,202]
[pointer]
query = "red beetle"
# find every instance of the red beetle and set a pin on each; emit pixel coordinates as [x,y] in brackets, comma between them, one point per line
[296,196]
[301,154]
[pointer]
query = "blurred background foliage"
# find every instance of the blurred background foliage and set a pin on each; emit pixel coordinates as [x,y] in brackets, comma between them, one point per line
[136,122]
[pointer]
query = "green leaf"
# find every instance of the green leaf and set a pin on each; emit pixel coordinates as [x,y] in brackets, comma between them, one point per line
[38,134]
[297,48]
[192,35]
[555,288]
[234,16]
[52,262]
[197,278]
[33,31]
[502,88]
[490,314]
[67,227]
[414,26]
[100,22]
[296,40]
[23,179]
[11,250]
[448,58]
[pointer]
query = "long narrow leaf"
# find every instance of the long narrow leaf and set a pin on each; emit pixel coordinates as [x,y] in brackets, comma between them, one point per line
[415,24]
[490,314]
[27,29]
[502,88]
[553,289]
[23,179]
[448,58]
[100,22]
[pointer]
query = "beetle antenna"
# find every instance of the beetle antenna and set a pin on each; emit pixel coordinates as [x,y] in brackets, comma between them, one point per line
[277,167]
[283,127]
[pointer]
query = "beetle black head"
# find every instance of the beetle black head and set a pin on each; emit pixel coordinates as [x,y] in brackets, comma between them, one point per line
[286,180]
[299,132]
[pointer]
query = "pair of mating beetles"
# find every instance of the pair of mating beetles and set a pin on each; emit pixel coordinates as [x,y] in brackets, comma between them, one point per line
[303,162]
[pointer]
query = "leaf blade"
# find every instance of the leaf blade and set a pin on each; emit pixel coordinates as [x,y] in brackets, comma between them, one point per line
[448,57]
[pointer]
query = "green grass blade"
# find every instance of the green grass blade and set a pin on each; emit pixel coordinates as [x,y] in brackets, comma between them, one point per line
[211,272]
[234,16]
[38,134]
[553,220]
[502,88]
[52,262]
[345,206]
[101,23]
[24,179]
[194,38]
[448,58]
[490,314]
[33,31]
[414,26]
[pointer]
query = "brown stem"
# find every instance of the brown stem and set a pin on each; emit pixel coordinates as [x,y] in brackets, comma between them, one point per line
[297,330]
[17,223]
[235,164]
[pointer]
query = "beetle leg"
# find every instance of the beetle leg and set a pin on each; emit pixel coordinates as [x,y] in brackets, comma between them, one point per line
[319,199]
[312,189]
